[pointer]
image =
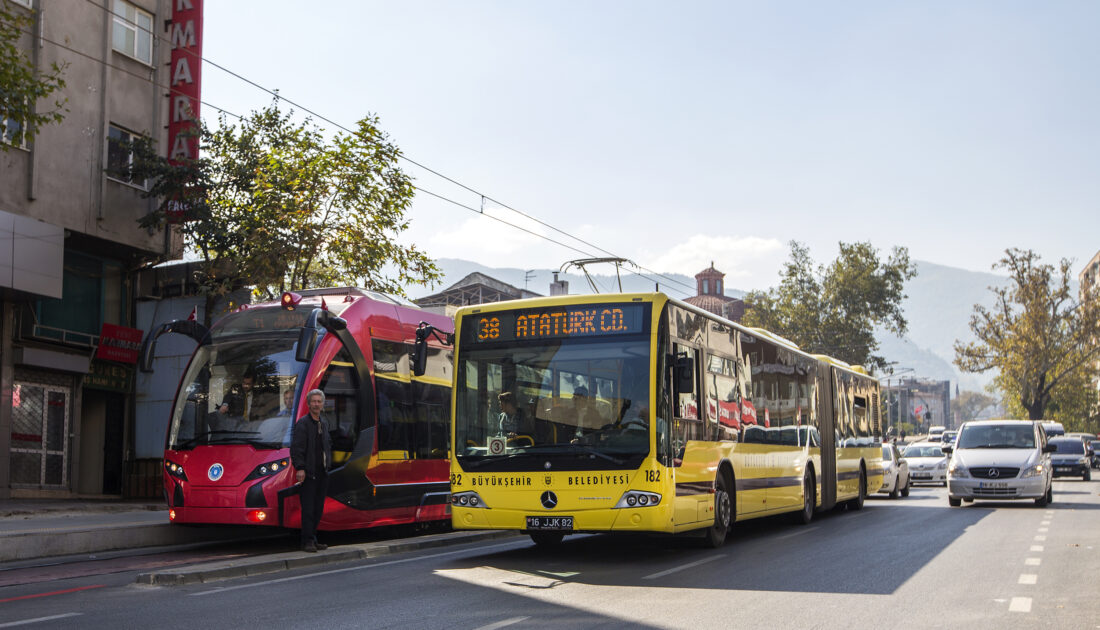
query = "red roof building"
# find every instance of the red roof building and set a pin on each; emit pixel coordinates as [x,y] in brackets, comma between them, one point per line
[711,295]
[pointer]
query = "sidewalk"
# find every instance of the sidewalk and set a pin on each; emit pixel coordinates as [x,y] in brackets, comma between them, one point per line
[43,528]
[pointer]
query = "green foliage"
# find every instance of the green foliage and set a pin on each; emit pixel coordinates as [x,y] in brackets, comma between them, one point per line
[272,204]
[834,310]
[1041,341]
[21,89]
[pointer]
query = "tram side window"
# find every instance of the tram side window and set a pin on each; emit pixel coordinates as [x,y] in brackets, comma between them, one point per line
[396,419]
[341,385]
[432,419]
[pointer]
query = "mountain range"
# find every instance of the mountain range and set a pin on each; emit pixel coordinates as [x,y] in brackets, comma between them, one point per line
[938,305]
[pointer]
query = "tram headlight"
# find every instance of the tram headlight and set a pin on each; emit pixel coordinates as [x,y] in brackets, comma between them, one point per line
[268,468]
[175,470]
[469,499]
[637,498]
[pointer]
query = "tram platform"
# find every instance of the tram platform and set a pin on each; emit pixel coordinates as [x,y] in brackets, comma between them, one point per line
[43,528]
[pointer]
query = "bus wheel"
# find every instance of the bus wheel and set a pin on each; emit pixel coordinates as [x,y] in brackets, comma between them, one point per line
[809,500]
[723,515]
[857,503]
[547,540]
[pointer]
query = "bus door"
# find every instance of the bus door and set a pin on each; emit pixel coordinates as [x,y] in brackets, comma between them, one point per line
[693,483]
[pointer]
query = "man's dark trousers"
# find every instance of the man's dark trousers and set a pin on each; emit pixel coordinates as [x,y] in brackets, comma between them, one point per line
[313,505]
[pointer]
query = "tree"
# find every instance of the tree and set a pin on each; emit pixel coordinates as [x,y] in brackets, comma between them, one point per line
[271,204]
[834,310]
[1038,338]
[969,404]
[21,87]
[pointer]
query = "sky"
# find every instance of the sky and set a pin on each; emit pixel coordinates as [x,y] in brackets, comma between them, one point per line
[676,134]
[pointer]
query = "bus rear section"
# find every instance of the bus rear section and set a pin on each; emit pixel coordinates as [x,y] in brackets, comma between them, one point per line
[227,457]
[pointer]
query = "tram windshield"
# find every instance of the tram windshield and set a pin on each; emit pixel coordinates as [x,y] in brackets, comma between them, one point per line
[579,403]
[238,390]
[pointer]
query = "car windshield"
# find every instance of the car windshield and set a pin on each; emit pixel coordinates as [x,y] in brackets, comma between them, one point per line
[235,391]
[924,451]
[1069,447]
[887,452]
[997,436]
[581,403]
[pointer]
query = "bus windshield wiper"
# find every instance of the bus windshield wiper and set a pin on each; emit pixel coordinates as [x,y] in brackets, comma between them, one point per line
[487,459]
[584,449]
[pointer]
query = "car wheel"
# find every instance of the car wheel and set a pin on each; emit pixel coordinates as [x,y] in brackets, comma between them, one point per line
[1045,500]
[953,502]
[715,535]
[905,488]
[1088,475]
[895,491]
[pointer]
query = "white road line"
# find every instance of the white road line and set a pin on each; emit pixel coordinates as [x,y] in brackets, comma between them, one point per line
[1043,530]
[801,531]
[12,624]
[1020,604]
[683,566]
[1036,548]
[1049,513]
[1028,578]
[1033,562]
[503,623]
[345,570]
[1040,538]
[1045,523]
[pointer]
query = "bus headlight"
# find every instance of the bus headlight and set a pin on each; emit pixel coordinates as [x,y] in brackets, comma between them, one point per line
[468,499]
[637,498]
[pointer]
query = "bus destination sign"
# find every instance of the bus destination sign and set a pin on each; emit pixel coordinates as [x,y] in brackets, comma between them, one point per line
[562,322]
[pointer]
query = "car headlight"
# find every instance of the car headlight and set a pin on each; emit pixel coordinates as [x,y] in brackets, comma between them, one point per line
[958,471]
[1032,471]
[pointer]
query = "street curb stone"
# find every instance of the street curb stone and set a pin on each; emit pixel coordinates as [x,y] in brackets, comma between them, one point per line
[245,567]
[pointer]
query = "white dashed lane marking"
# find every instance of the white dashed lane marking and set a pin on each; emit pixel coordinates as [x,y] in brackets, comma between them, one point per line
[1036,548]
[1029,578]
[1033,562]
[1020,604]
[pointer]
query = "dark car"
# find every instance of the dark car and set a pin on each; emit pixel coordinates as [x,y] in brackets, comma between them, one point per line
[1095,446]
[1071,459]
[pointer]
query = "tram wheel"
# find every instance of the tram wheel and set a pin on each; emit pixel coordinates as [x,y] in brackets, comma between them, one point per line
[715,535]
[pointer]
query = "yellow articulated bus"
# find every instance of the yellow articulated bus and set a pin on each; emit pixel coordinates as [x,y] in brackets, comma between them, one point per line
[641,413]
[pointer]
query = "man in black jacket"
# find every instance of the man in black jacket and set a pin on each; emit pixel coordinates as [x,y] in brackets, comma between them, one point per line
[311,455]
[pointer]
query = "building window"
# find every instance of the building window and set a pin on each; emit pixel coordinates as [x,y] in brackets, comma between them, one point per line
[26,3]
[11,131]
[133,31]
[120,155]
[718,287]
[705,287]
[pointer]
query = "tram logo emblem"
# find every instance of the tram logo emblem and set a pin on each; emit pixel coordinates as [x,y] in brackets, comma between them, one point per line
[216,471]
[548,479]
[549,500]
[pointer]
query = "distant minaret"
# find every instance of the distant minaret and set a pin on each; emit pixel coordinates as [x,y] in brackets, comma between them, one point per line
[559,287]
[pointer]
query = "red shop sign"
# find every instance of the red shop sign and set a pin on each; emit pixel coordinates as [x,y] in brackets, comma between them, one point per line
[119,343]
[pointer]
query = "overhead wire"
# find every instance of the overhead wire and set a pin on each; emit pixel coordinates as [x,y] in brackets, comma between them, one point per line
[400,155]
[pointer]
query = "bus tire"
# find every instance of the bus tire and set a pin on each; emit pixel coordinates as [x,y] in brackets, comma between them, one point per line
[857,503]
[546,540]
[715,535]
[809,500]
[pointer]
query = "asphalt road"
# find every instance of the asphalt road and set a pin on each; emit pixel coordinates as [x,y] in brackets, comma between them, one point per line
[907,563]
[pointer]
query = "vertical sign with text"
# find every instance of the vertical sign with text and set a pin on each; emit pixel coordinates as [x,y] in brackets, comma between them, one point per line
[185,82]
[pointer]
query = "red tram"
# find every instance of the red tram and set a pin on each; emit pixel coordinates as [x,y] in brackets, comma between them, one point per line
[227,456]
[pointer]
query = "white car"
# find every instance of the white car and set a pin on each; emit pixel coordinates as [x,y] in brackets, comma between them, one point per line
[927,462]
[895,472]
[1000,460]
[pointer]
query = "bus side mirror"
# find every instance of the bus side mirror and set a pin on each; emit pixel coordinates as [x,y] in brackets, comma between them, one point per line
[684,374]
[307,338]
[419,358]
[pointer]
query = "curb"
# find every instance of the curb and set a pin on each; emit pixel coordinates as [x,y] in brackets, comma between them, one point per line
[245,567]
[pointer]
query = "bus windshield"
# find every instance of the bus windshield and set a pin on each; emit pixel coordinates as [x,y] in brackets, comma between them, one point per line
[237,391]
[570,404]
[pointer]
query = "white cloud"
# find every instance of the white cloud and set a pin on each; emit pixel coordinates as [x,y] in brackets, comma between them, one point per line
[749,262]
[490,242]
